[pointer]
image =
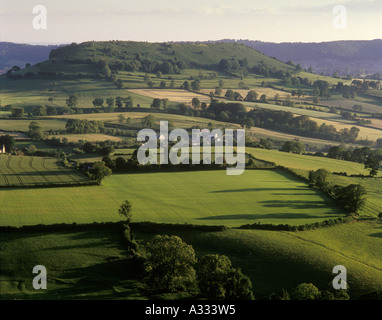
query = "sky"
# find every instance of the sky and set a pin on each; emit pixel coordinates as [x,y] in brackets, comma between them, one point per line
[70,21]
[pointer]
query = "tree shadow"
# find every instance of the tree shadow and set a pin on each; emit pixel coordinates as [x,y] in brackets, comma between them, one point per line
[266,216]
[255,190]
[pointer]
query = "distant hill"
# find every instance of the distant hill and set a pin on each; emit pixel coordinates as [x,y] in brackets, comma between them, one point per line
[356,57]
[14,54]
[192,54]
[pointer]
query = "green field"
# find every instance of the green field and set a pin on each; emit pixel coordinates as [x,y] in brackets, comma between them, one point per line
[302,164]
[202,197]
[90,264]
[22,171]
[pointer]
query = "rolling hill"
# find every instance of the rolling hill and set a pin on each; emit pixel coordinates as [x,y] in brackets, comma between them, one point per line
[12,54]
[345,57]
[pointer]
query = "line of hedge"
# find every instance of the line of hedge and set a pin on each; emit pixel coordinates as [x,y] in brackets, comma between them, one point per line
[60,227]
[305,227]
[152,227]
[51,185]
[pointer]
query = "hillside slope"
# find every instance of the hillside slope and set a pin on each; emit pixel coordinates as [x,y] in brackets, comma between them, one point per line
[345,57]
[12,54]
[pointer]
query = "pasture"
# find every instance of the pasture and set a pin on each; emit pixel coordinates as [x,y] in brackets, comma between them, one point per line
[22,171]
[86,264]
[198,197]
[302,164]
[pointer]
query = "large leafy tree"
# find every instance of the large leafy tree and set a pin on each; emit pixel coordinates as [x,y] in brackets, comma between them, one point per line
[218,279]
[351,197]
[8,142]
[169,264]
[99,171]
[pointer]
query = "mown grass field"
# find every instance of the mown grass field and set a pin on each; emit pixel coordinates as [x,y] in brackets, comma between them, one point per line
[35,171]
[202,197]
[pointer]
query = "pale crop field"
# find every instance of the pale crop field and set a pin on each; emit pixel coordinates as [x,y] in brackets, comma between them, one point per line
[176,95]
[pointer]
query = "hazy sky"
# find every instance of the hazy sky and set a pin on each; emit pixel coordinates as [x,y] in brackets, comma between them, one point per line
[178,20]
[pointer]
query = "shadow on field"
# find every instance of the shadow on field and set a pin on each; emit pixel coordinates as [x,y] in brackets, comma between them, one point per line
[265,216]
[294,204]
[108,280]
[257,189]
[376,235]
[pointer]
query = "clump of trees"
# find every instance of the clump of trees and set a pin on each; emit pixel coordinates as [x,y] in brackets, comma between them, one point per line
[75,126]
[293,147]
[170,265]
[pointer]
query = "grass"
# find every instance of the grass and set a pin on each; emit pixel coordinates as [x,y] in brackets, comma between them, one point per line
[36,171]
[88,264]
[307,162]
[23,124]
[90,137]
[202,197]
[276,260]
[302,164]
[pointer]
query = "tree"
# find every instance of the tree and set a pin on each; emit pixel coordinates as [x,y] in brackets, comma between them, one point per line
[372,163]
[229,94]
[251,96]
[156,104]
[223,116]
[306,291]
[110,103]
[72,101]
[148,121]
[128,102]
[218,279]
[195,102]
[125,210]
[106,150]
[150,84]
[98,102]
[218,91]
[169,264]
[8,142]
[351,197]
[195,85]
[119,102]
[35,131]
[99,171]
[221,84]
[163,84]
[380,215]
[121,118]
[294,147]
[17,112]
[186,85]
[320,178]
[263,98]
[172,84]
[146,78]
[32,149]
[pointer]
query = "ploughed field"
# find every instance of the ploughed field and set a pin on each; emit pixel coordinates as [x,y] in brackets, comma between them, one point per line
[201,197]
